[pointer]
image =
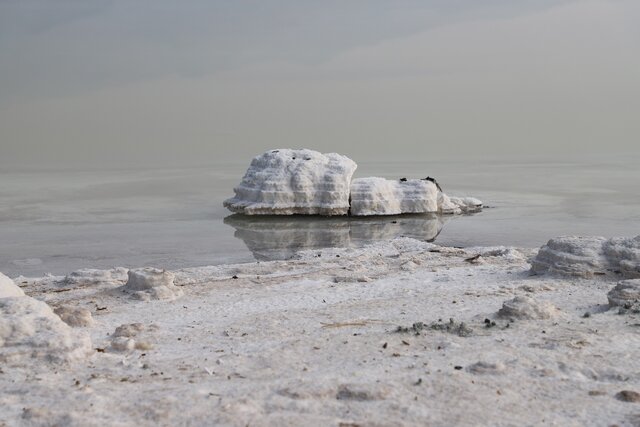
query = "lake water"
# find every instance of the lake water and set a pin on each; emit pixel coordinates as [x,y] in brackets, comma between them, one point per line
[60,221]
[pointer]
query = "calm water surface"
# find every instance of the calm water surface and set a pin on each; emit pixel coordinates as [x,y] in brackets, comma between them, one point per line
[59,221]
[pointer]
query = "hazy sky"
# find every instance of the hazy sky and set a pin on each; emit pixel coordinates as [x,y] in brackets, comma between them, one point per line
[154,82]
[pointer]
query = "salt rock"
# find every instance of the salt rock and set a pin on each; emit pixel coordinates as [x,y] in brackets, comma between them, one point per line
[379,196]
[74,316]
[624,255]
[29,330]
[527,308]
[288,182]
[571,255]
[8,288]
[123,338]
[457,205]
[587,256]
[151,283]
[625,293]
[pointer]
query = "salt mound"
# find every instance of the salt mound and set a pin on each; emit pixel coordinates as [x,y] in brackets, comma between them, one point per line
[571,255]
[379,196]
[131,336]
[527,308]
[625,294]
[30,330]
[457,205]
[587,256]
[151,283]
[624,253]
[8,288]
[287,182]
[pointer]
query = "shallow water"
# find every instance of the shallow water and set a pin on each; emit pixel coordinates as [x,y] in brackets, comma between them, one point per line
[59,221]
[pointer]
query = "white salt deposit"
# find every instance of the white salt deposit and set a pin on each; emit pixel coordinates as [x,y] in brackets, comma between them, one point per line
[30,333]
[522,307]
[624,254]
[457,205]
[589,256]
[8,288]
[287,182]
[625,293]
[292,342]
[379,196]
[152,283]
[129,337]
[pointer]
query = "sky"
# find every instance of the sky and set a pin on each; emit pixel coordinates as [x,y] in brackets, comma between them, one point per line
[159,83]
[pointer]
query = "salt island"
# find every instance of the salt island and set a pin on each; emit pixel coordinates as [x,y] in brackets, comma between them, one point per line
[306,182]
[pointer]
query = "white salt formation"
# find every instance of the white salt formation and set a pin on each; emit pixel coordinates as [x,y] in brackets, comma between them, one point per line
[527,308]
[457,205]
[625,294]
[589,256]
[8,288]
[379,196]
[288,182]
[152,283]
[624,255]
[130,337]
[30,331]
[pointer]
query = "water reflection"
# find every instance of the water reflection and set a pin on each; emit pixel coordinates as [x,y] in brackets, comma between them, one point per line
[277,237]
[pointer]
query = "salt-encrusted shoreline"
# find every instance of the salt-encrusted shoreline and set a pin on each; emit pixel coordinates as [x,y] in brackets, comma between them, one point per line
[334,337]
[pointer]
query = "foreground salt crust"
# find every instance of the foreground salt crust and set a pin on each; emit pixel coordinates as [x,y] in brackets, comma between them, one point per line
[288,182]
[589,256]
[306,342]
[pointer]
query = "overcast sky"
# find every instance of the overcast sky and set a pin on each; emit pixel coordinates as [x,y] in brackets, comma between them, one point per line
[157,82]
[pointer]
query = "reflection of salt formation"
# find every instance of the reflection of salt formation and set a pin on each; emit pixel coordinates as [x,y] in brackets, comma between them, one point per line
[273,237]
[287,182]
[588,256]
